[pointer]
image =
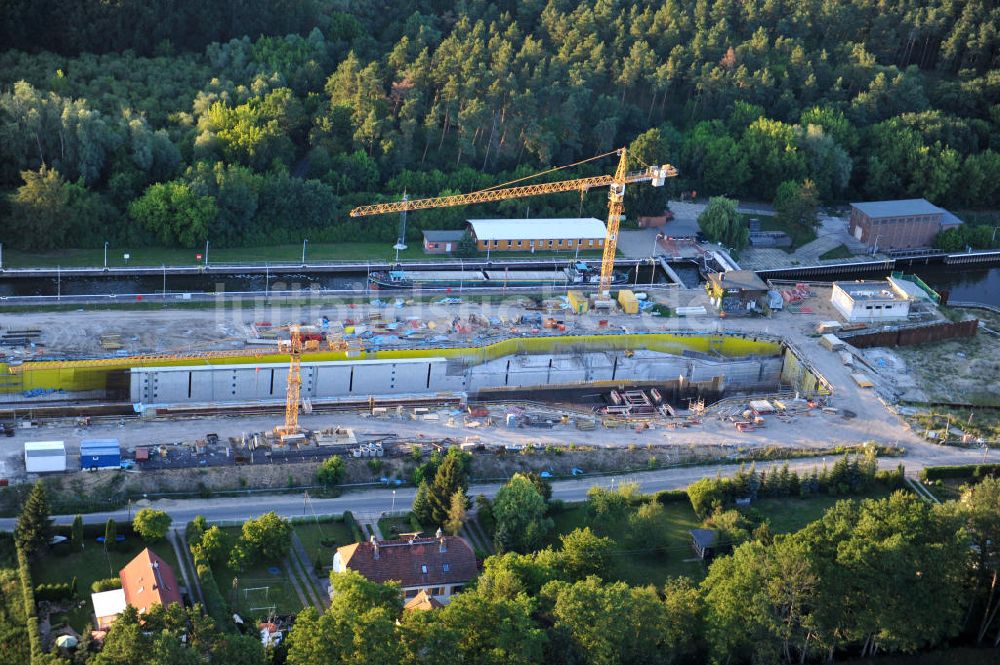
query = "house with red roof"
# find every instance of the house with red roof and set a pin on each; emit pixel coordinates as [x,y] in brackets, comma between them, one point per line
[147,580]
[439,567]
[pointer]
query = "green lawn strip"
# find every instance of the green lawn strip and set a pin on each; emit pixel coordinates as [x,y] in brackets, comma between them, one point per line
[838,252]
[391,527]
[800,236]
[318,252]
[321,539]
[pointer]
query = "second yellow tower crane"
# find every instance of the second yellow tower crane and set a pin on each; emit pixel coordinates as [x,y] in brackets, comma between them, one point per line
[655,175]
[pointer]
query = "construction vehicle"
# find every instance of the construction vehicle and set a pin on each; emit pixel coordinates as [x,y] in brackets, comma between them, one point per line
[616,183]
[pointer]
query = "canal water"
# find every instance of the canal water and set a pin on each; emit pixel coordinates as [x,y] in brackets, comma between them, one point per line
[962,282]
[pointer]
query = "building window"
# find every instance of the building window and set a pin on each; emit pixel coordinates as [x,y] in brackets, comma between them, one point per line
[423,568]
[434,246]
[445,568]
[520,243]
[591,242]
[868,306]
[550,243]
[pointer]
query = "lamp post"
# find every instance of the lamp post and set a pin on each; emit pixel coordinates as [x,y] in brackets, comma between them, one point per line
[656,243]
[393,501]
[875,248]
[206,253]
[105,254]
[305,242]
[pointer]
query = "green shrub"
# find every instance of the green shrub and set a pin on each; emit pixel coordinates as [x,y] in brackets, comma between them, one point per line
[671,496]
[107,584]
[54,591]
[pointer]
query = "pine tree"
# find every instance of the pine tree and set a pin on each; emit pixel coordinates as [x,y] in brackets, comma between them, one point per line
[450,478]
[794,484]
[421,504]
[456,513]
[76,535]
[784,480]
[34,527]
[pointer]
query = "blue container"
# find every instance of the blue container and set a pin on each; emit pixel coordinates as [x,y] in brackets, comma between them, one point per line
[100,454]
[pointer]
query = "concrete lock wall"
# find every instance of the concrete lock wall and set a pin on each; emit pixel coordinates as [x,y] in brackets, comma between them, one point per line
[337,379]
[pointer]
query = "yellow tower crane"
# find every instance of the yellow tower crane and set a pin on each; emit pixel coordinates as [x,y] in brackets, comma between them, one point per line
[656,175]
[294,389]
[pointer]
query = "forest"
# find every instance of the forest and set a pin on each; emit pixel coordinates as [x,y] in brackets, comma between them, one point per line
[252,122]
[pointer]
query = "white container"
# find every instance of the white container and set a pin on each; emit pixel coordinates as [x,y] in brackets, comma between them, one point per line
[44,456]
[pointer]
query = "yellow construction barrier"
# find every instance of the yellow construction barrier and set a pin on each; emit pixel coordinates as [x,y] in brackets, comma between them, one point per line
[94,374]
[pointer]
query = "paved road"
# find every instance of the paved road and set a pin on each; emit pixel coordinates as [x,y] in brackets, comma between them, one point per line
[381,500]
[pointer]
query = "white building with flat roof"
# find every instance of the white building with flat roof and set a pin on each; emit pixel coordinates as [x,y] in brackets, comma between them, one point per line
[861,302]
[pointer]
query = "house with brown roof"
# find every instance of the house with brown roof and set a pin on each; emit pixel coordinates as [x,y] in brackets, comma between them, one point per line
[438,567]
[147,580]
[422,602]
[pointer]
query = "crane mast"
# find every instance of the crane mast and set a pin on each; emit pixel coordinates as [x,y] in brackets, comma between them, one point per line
[294,388]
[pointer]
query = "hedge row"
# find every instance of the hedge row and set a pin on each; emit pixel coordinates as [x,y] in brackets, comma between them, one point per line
[353,525]
[962,471]
[28,597]
[671,496]
[215,605]
[55,591]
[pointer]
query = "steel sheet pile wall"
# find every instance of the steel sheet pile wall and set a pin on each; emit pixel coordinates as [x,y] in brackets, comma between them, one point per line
[238,383]
[916,335]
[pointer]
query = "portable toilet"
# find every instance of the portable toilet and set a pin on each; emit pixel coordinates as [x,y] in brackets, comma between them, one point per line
[44,456]
[100,454]
[628,301]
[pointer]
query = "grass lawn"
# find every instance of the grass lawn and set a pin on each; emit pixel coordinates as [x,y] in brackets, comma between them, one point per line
[643,568]
[156,256]
[391,527]
[321,539]
[90,565]
[791,514]
[838,252]
[94,564]
[256,590]
[800,236]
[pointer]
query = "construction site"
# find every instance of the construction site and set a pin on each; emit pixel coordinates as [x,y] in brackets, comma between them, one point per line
[694,373]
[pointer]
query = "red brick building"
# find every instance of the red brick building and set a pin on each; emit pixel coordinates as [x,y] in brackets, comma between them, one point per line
[903,224]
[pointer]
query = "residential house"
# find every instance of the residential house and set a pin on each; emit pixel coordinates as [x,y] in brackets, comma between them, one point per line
[107,606]
[422,602]
[147,580]
[439,566]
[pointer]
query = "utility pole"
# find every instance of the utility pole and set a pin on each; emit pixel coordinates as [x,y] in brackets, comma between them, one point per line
[105,254]
[206,253]
[304,243]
